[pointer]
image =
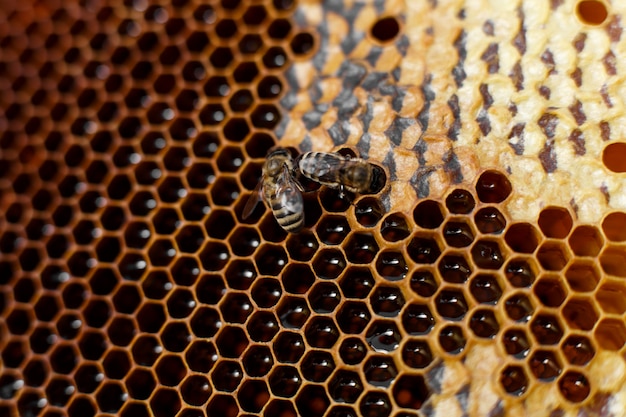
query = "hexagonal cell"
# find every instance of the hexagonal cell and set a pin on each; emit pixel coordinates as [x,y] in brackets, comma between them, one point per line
[285,381]
[428,214]
[574,386]
[46,308]
[345,387]
[485,288]
[424,283]
[484,324]
[545,365]
[516,343]
[411,391]
[266,292]
[451,304]
[423,249]
[395,227]
[452,339]
[196,390]
[271,259]
[258,361]
[63,359]
[244,241]
[190,238]
[553,256]
[214,256]
[368,211]
[253,395]
[151,317]
[460,201]
[454,268]
[317,366]
[546,329]
[383,336]
[391,265]
[522,237]
[610,334]
[352,351]
[222,405]
[353,317]
[332,230]
[312,401]
[582,276]
[200,357]
[161,252]
[417,354]
[612,298]
[42,339]
[321,332]
[357,282]
[387,301]
[580,313]
[519,307]
[613,261]
[514,380]
[493,187]
[170,370]
[88,378]
[417,319]
[489,220]
[555,222]
[380,371]
[578,350]
[140,384]
[236,307]
[116,364]
[324,297]
[175,336]
[165,402]
[329,263]
[586,241]
[550,290]
[92,345]
[288,347]
[361,248]
[458,234]
[614,226]
[487,254]
[262,326]
[297,278]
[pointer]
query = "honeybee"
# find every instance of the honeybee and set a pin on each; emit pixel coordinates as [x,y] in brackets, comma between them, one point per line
[343,172]
[280,191]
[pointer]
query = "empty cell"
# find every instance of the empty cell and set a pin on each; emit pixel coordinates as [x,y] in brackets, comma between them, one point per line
[612,298]
[614,226]
[553,256]
[550,291]
[555,222]
[428,214]
[613,261]
[610,334]
[580,313]
[522,238]
[582,276]
[586,241]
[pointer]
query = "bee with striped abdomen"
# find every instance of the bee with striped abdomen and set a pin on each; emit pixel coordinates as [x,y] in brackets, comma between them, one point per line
[343,172]
[280,190]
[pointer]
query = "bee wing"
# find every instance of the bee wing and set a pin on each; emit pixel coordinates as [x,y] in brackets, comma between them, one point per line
[322,166]
[253,200]
[288,192]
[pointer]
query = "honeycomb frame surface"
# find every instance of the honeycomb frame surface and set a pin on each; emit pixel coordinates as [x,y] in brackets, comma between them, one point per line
[485,279]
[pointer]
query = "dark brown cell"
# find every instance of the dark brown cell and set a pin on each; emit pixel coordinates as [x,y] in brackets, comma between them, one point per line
[493,187]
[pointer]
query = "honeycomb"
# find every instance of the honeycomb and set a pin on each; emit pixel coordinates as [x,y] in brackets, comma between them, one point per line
[486,278]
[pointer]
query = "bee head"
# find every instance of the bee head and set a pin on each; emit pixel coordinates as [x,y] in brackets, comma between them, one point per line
[379,179]
[276,159]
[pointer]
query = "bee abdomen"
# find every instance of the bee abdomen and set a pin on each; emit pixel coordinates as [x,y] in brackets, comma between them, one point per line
[289,220]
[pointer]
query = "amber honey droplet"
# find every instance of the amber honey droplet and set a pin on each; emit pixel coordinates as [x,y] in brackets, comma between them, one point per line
[493,187]
[460,201]
[574,386]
